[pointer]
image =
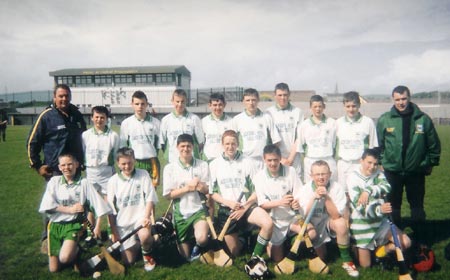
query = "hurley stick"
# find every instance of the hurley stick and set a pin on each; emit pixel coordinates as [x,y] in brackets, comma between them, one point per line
[402,268]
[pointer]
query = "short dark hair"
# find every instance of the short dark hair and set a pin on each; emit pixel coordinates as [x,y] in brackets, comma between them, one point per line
[216,97]
[272,149]
[179,92]
[282,86]
[100,110]
[185,138]
[69,155]
[63,86]
[125,152]
[352,96]
[320,163]
[371,152]
[316,98]
[401,90]
[139,94]
[251,92]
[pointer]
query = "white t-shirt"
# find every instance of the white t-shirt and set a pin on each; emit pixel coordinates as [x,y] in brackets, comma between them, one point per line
[128,197]
[100,148]
[213,129]
[176,175]
[254,132]
[172,126]
[317,140]
[59,192]
[141,135]
[352,137]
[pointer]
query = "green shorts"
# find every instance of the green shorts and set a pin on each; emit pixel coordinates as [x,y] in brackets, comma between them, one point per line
[153,168]
[240,226]
[185,228]
[58,232]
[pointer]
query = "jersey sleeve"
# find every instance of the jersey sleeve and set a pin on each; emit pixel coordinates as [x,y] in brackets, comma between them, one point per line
[373,138]
[273,132]
[124,140]
[337,194]
[149,190]
[198,130]
[35,140]
[169,182]
[49,201]
[111,194]
[95,200]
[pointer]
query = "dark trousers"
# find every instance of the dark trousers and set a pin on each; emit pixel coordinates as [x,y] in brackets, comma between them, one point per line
[3,133]
[414,184]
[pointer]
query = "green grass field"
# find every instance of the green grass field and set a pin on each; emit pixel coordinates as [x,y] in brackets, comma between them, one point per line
[21,225]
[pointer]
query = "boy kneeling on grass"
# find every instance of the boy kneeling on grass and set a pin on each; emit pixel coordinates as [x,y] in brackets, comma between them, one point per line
[132,196]
[369,225]
[65,200]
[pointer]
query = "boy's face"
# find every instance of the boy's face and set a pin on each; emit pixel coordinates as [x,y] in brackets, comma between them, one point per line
[217,107]
[179,104]
[251,104]
[126,165]
[272,162]
[317,108]
[281,98]
[351,109]
[369,165]
[321,175]
[185,149]
[139,106]
[230,145]
[99,120]
[68,167]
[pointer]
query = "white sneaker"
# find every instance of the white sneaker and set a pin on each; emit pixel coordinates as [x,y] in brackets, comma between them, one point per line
[350,268]
[149,263]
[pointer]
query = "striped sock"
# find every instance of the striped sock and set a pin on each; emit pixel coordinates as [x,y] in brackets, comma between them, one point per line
[260,246]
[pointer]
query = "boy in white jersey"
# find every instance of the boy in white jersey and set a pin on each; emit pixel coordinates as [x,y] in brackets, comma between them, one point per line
[214,125]
[65,201]
[100,145]
[132,198]
[328,217]
[255,128]
[367,188]
[185,182]
[180,121]
[230,174]
[141,133]
[354,134]
[277,189]
[287,119]
[317,138]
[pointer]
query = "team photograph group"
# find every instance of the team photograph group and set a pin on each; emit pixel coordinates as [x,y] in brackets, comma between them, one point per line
[263,183]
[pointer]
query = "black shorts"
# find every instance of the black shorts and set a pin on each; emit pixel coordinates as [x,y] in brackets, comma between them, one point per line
[240,226]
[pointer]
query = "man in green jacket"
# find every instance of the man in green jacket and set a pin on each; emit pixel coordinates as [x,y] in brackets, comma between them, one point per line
[410,147]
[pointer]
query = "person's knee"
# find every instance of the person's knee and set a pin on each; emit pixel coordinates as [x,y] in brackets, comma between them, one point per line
[406,241]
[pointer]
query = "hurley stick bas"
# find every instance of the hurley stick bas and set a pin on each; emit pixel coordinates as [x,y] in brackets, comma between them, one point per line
[287,265]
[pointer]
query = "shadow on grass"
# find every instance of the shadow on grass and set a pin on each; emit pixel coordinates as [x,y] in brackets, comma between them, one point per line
[427,232]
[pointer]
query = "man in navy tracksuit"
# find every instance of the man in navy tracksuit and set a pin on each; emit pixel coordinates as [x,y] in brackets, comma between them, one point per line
[57,130]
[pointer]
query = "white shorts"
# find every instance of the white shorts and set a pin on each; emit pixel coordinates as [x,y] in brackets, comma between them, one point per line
[323,233]
[130,242]
[380,237]
[344,168]
[281,231]
[98,177]
[308,162]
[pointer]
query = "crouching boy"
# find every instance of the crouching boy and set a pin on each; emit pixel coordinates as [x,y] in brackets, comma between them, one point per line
[370,227]
[132,197]
[65,200]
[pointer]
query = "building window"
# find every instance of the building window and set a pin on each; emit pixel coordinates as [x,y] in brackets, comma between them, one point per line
[164,79]
[65,80]
[83,81]
[123,79]
[103,80]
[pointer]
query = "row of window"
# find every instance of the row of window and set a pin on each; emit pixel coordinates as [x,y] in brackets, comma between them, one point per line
[109,80]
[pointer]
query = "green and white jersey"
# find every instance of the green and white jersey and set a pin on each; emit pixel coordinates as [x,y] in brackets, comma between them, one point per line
[172,126]
[269,188]
[128,197]
[353,137]
[317,140]
[59,192]
[141,135]
[335,192]
[366,220]
[229,177]
[287,122]
[176,175]
[255,132]
[100,148]
[213,129]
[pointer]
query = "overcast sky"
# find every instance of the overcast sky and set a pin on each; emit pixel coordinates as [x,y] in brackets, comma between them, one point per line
[368,46]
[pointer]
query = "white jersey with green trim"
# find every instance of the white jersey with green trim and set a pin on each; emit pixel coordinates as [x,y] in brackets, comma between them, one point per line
[61,193]
[229,177]
[172,126]
[213,129]
[100,148]
[255,132]
[128,197]
[353,137]
[335,192]
[141,135]
[269,188]
[175,176]
[287,122]
[317,140]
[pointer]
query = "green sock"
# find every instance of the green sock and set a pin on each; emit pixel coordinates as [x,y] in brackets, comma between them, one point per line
[260,246]
[345,253]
